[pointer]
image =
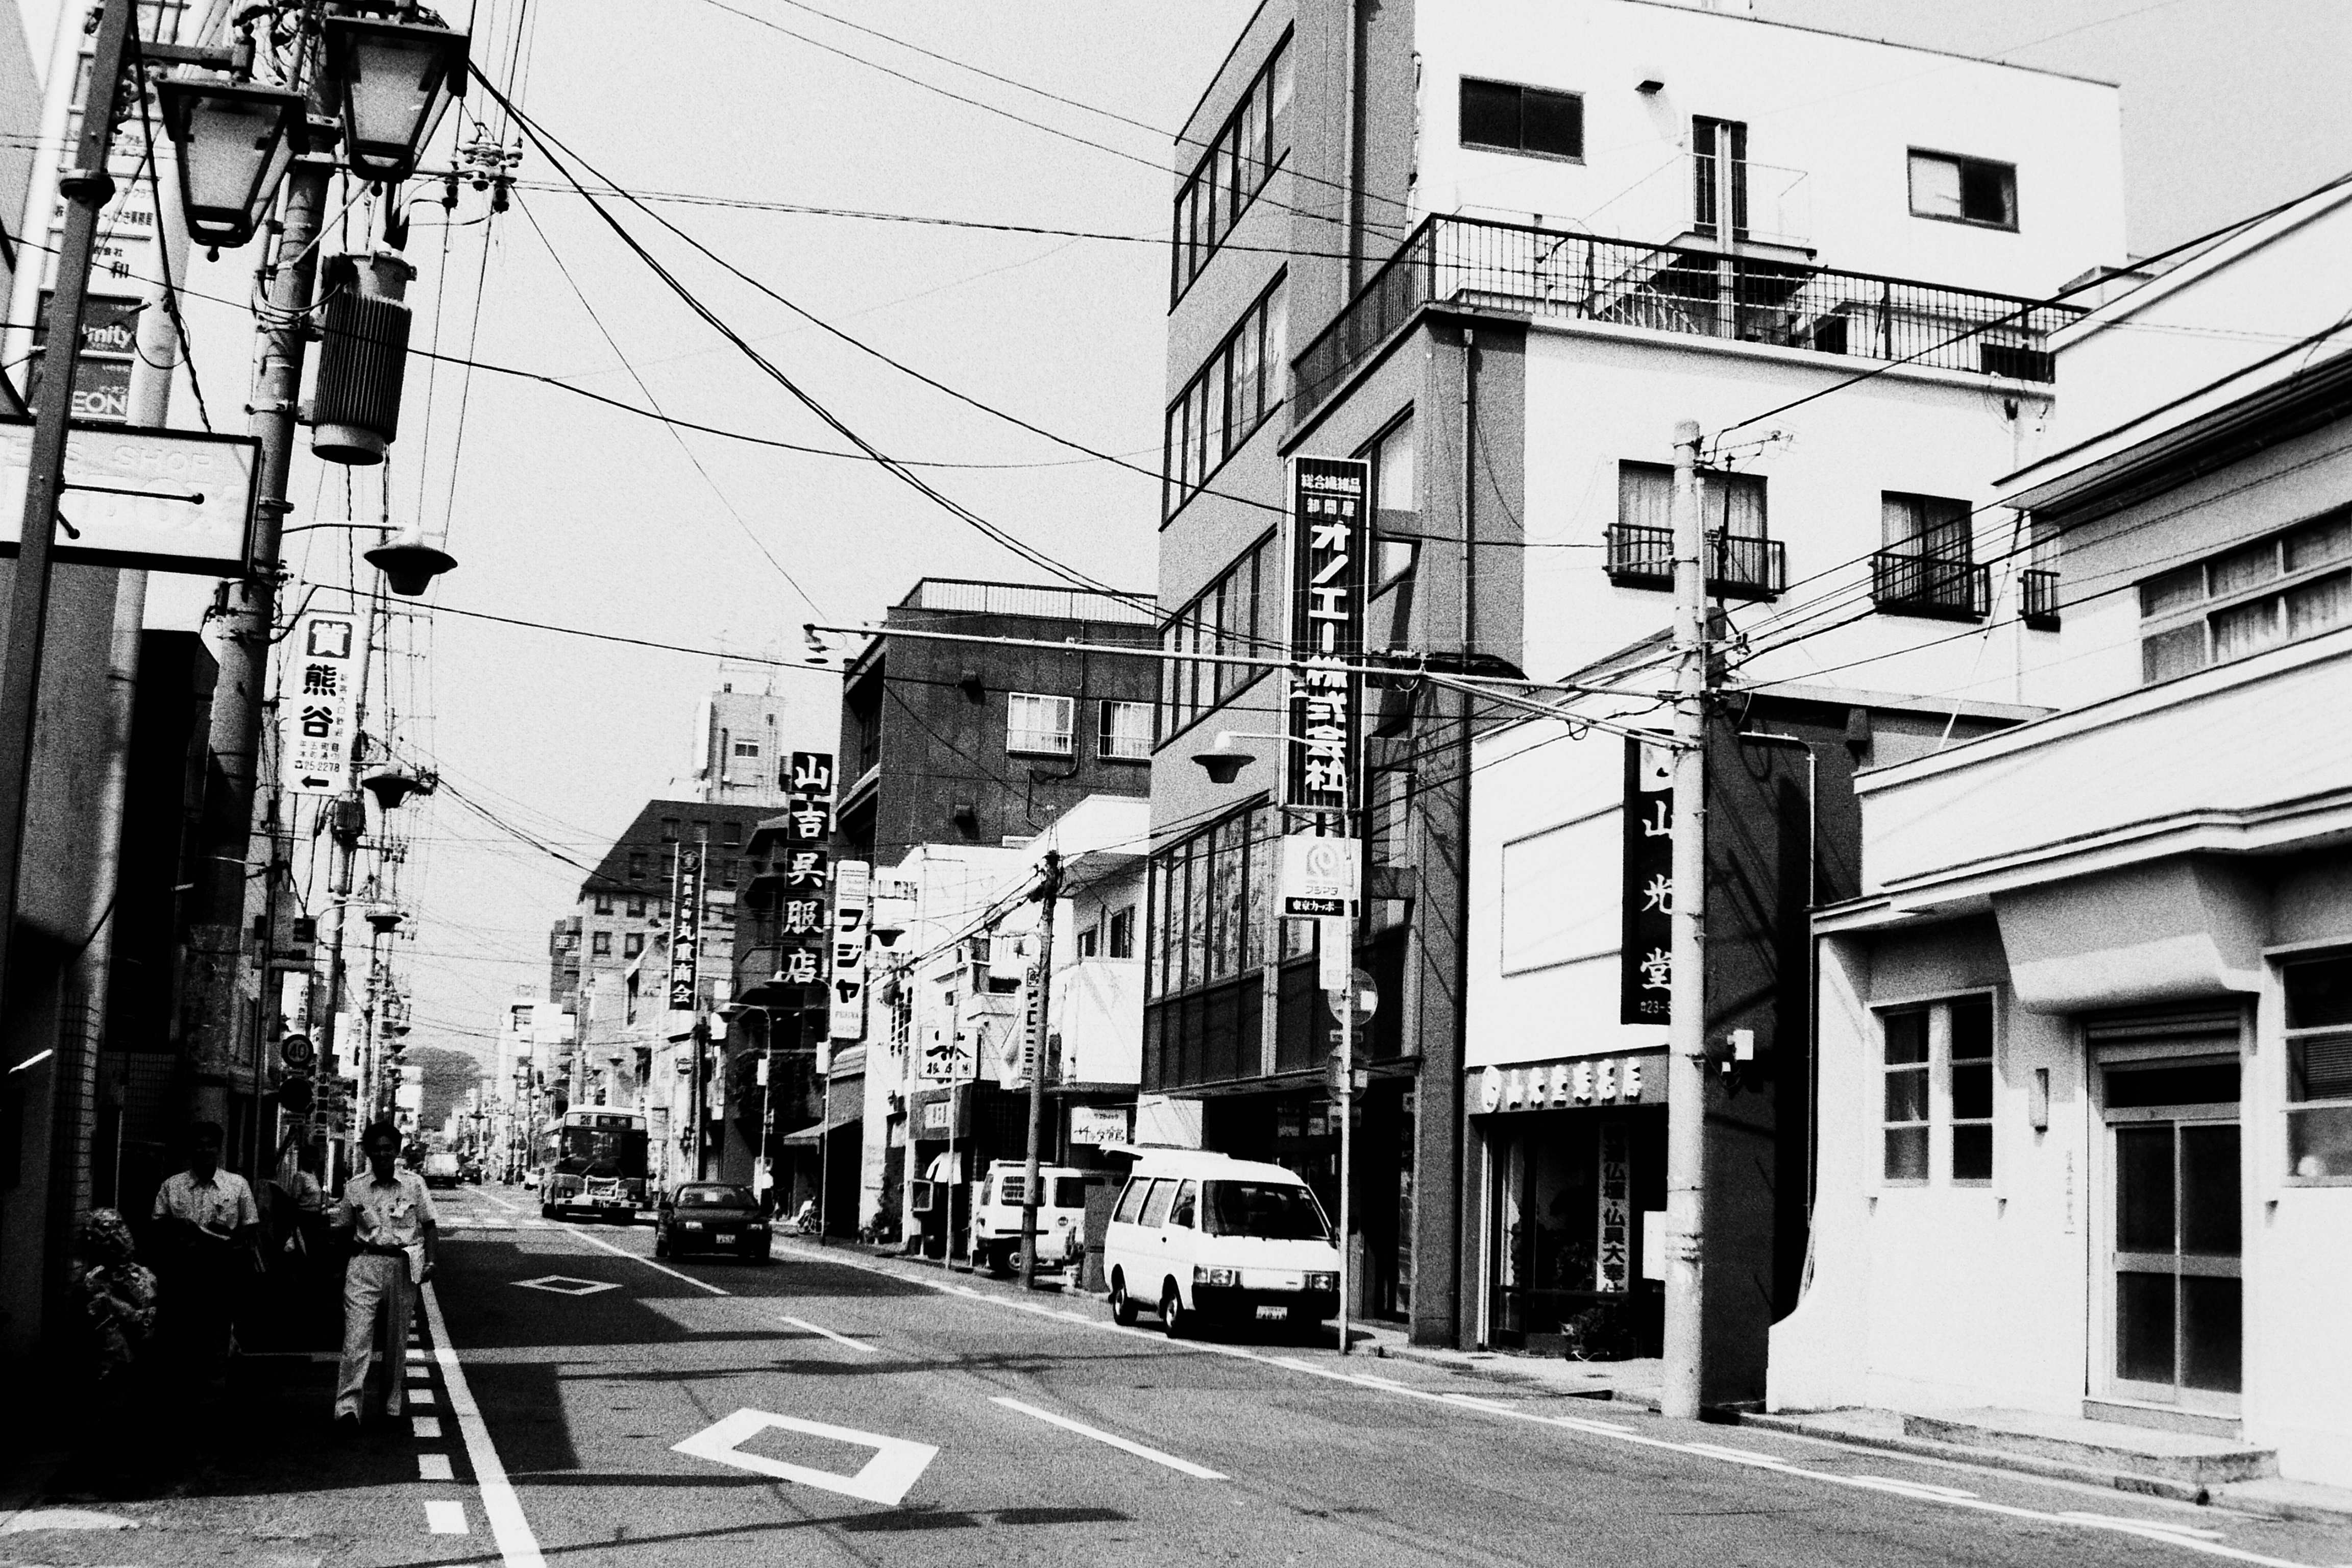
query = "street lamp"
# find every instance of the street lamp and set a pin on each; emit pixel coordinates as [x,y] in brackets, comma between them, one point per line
[391,82]
[235,141]
[409,564]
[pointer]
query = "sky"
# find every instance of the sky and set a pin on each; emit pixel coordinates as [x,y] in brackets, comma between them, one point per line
[564,512]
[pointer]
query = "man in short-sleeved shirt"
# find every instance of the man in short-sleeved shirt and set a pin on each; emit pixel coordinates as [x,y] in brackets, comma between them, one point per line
[394,1234]
[211,1229]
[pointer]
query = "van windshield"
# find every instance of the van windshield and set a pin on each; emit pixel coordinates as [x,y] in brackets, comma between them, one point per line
[1275,1211]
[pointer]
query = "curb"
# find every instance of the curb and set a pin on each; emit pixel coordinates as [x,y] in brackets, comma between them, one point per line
[1484,1372]
[1991,1459]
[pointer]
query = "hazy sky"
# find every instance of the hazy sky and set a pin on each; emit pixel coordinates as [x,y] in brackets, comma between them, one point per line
[581,516]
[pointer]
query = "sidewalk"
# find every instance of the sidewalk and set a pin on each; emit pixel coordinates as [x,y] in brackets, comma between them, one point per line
[1634,1382]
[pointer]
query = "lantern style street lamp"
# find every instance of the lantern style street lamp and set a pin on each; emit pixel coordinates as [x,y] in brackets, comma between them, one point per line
[235,141]
[391,82]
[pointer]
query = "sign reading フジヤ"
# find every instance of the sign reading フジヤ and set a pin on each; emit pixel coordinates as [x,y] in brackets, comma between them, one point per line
[1330,540]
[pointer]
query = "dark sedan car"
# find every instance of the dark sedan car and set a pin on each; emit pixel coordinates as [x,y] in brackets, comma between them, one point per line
[710,1217]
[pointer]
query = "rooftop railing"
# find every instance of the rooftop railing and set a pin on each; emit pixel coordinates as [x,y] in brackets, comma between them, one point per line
[1544,275]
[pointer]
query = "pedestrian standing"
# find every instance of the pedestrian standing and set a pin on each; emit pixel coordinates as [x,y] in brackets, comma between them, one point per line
[395,1235]
[211,1230]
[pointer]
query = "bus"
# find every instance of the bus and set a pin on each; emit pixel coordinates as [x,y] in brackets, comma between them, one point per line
[593,1160]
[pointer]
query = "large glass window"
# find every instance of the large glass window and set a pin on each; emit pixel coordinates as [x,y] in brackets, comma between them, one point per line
[1907,1096]
[1211,892]
[2319,1067]
[1040,726]
[1125,731]
[2290,585]
[1505,117]
[1963,190]
[1230,395]
[1240,158]
[1939,1067]
[1239,614]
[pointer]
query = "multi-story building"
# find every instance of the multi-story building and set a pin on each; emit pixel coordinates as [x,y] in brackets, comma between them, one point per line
[623,907]
[986,742]
[2085,1125]
[1498,253]
[738,754]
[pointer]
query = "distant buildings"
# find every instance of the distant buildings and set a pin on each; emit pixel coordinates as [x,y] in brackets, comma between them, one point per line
[737,752]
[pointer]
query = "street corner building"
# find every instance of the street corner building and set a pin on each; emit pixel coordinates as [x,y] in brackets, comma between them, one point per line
[2086,1121]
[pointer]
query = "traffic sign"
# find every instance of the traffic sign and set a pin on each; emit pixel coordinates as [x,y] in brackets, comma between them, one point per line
[294,1095]
[1362,995]
[296,1051]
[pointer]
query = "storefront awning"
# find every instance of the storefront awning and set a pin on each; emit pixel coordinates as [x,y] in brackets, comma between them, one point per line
[806,1138]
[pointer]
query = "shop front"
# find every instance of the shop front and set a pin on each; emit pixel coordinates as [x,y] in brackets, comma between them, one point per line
[1574,1168]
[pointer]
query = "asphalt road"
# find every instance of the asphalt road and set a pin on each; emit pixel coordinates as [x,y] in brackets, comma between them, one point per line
[837,1408]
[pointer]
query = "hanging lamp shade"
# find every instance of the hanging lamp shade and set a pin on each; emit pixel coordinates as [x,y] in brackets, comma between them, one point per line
[409,564]
[393,81]
[235,141]
[389,788]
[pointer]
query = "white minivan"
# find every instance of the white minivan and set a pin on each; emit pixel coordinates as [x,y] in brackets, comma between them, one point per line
[1228,1239]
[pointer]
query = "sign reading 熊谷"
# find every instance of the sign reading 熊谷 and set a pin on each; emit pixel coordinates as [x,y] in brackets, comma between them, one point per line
[321,682]
[1330,540]
[1646,963]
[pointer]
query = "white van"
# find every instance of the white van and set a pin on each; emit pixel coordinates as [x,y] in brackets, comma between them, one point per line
[1228,1239]
[1061,1216]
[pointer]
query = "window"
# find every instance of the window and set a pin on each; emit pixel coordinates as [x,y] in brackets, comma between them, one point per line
[636,865]
[1155,1207]
[1232,395]
[1211,902]
[603,903]
[2319,1067]
[2290,585]
[1241,156]
[730,834]
[1934,526]
[747,748]
[1747,560]
[1239,614]
[1126,732]
[633,944]
[1089,943]
[1963,190]
[1718,175]
[1130,1203]
[669,829]
[1926,567]
[1185,1210]
[1907,1096]
[600,944]
[636,907]
[1938,1072]
[1039,725]
[1120,932]
[1505,116]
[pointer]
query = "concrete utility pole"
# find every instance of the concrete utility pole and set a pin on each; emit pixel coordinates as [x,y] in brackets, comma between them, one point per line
[346,824]
[87,187]
[1048,894]
[1684,1380]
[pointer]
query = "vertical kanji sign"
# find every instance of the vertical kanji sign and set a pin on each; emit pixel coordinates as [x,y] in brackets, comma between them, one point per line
[321,684]
[804,906]
[1611,1251]
[1330,541]
[686,940]
[1645,963]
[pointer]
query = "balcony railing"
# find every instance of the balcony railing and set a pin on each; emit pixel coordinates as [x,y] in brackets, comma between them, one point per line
[2040,591]
[1543,275]
[1933,586]
[1741,566]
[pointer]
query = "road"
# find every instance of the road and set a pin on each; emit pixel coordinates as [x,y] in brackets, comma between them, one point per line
[837,1408]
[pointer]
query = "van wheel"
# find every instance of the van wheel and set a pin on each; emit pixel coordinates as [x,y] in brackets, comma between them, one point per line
[1122,1305]
[1174,1321]
[547,1210]
[661,1245]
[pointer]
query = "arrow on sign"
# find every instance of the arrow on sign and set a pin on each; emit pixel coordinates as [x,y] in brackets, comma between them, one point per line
[313,780]
[884,1479]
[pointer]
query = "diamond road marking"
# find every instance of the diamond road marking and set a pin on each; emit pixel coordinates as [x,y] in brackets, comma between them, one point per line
[565,1285]
[884,1479]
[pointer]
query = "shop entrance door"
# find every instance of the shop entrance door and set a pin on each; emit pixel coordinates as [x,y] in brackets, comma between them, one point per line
[2178,1312]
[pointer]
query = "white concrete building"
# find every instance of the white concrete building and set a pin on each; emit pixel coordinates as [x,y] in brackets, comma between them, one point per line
[2085,1124]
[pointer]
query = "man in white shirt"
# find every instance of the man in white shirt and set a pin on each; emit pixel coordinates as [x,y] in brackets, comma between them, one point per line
[395,1235]
[211,1229]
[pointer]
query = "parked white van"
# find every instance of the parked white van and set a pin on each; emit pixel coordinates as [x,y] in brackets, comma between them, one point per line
[1228,1239]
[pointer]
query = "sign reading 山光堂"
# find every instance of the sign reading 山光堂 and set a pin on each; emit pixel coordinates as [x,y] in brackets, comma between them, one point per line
[1646,965]
[1330,540]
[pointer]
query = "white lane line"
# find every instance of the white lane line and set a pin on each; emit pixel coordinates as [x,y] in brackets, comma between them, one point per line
[828,1333]
[517,1546]
[425,1426]
[434,1467]
[640,1257]
[2152,1529]
[443,1517]
[1185,1465]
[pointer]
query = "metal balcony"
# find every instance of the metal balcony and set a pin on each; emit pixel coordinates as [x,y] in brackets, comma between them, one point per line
[1932,587]
[2041,599]
[1741,566]
[1542,275]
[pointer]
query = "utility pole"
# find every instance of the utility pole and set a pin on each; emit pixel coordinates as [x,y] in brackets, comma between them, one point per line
[87,187]
[1685,1382]
[346,824]
[1048,893]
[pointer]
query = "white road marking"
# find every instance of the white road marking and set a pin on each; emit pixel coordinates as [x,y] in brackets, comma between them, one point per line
[427,1427]
[565,1285]
[828,1333]
[2149,1528]
[444,1516]
[624,1252]
[517,1546]
[434,1467]
[897,1463]
[415,1353]
[423,1397]
[2164,1526]
[1187,1467]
